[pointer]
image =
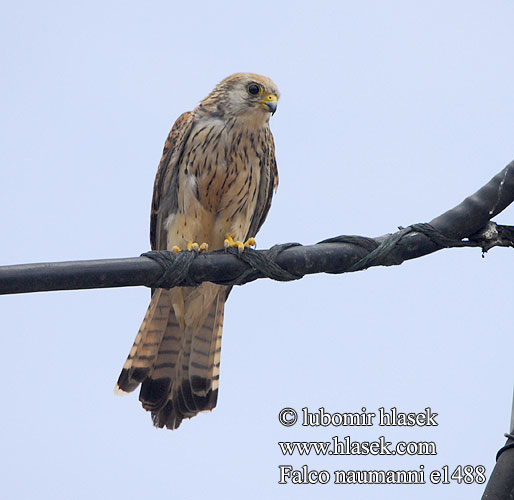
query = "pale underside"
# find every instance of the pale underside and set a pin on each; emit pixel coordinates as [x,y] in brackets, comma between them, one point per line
[215,199]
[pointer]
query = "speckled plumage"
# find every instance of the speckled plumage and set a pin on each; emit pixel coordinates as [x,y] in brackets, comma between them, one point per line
[216,179]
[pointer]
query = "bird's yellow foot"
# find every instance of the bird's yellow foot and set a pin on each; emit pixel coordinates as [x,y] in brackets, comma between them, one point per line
[250,242]
[230,243]
[195,247]
[192,246]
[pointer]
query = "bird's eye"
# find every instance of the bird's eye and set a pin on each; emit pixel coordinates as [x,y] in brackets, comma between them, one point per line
[254,89]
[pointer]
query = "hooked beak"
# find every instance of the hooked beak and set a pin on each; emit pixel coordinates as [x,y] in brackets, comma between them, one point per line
[272,106]
[270,102]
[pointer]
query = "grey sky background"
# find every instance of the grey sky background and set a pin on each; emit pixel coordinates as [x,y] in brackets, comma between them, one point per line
[391,113]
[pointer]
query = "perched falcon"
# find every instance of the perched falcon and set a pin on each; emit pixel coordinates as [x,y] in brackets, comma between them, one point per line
[213,189]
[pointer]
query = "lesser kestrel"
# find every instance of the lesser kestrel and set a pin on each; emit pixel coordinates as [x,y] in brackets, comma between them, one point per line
[214,185]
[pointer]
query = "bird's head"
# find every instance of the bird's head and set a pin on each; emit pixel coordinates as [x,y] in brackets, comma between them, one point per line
[247,96]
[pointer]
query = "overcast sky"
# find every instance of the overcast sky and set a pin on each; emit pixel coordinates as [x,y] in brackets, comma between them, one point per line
[391,113]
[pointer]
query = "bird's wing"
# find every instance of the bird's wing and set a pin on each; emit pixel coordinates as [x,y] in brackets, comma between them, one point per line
[165,190]
[268,184]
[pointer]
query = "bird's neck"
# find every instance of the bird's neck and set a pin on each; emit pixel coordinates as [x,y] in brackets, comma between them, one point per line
[252,120]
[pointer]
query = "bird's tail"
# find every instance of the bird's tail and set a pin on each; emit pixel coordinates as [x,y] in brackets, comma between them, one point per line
[176,354]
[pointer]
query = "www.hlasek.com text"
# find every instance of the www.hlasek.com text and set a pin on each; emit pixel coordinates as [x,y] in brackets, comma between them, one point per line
[345,446]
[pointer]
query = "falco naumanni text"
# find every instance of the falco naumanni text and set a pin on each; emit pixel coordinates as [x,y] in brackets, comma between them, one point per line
[213,189]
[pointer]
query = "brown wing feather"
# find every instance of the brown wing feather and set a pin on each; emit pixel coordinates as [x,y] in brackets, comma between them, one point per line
[268,185]
[165,190]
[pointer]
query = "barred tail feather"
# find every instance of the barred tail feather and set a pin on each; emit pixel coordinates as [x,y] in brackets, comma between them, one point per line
[195,387]
[146,345]
[176,354]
